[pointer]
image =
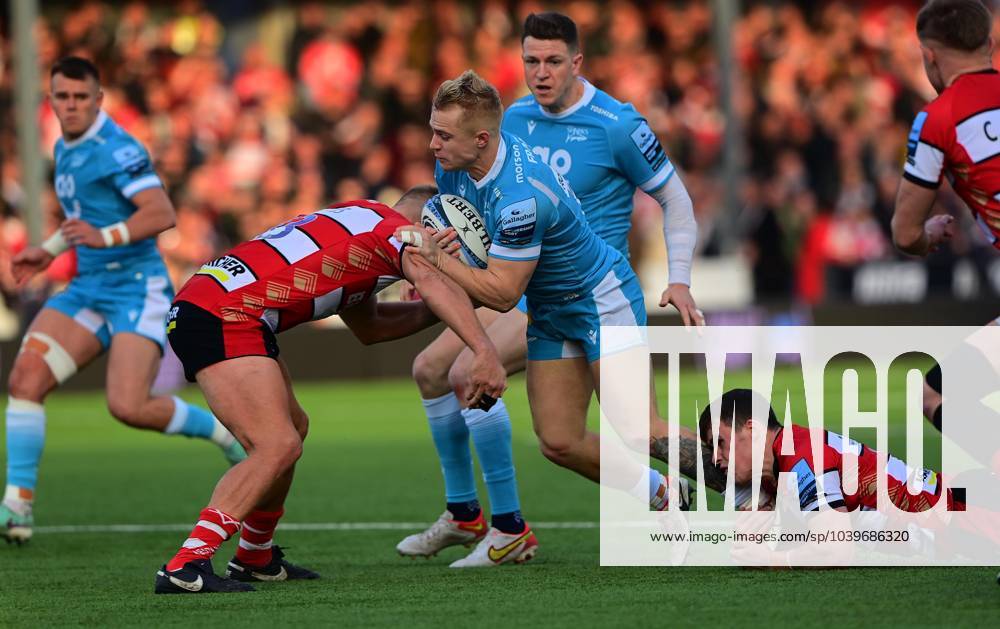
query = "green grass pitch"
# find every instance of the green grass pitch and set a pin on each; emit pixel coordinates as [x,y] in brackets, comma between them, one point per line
[369,458]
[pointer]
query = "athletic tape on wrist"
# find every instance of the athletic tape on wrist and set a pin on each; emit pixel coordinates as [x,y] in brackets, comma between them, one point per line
[55,244]
[116,235]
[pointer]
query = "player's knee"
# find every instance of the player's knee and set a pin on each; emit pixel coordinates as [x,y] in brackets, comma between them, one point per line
[29,379]
[125,411]
[458,379]
[430,375]
[300,419]
[558,449]
[280,450]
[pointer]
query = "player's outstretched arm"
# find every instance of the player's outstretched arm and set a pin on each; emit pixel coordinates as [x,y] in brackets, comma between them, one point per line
[687,453]
[498,287]
[912,231]
[680,235]
[450,303]
[154,214]
[30,261]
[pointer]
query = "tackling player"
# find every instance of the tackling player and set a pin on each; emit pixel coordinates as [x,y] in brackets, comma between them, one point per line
[606,150]
[115,206]
[542,248]
[223,325]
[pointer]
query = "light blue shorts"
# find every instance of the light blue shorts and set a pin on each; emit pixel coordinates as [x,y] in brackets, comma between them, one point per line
[111,302]
[573,329]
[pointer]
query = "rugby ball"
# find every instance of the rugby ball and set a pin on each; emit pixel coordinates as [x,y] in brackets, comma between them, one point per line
[448,210]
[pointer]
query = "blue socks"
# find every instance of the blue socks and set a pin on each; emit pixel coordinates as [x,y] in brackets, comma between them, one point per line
[190,420]
[25,440]
[490,430]
[451,438]
[491,433]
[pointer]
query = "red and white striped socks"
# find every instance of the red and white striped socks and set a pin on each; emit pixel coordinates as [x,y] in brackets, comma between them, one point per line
[256,536]
[213,528]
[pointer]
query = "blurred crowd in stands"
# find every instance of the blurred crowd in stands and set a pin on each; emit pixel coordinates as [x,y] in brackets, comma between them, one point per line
[254,115]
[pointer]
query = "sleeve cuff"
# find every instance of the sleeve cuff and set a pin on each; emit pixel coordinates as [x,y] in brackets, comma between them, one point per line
[932,185]
[149,181]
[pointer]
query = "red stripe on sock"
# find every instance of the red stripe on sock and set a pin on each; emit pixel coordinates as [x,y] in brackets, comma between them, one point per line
[258,528]
[211,540]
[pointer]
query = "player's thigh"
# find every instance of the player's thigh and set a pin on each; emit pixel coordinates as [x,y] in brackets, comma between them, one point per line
[53,338]
[133,362]
[559,394]
[431,366]
[628,406]
[250,396]
[508,334]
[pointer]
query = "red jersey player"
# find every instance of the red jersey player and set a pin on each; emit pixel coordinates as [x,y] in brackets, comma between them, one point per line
[958,133]
[737,426]
[222,327]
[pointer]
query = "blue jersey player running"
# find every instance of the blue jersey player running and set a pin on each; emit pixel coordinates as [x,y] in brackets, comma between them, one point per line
[115,206]
[606,150]
[541,248]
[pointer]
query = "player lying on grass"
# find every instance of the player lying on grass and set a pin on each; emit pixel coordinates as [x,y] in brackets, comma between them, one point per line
[739,427]
[223,325]
[115,206]
[605,150]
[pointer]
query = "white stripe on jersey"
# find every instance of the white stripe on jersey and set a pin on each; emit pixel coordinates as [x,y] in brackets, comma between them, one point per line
[926,164]
[293,245]
[355,219]
[149,181]
[541,187]
[980,135]
[529,253]
[658,179]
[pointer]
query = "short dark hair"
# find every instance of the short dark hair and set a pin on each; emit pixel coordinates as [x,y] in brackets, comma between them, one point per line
[551,25]
[957,24]
[419,194]
[75,68]
[736,407]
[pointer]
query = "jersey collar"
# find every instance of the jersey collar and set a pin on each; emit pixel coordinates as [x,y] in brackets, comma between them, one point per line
[588,94]
[102,117]
[495,168]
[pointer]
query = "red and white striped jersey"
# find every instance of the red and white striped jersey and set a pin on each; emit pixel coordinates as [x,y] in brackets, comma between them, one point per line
[958,133]
[811,476]
[308,268]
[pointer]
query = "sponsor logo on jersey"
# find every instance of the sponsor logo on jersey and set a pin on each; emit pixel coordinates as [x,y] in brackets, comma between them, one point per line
[806,479]
[576,134]
[645,140]
[229,271]
[914,138]
[603,112]
[515,150]
[131,158]
[517,223]
[531,127]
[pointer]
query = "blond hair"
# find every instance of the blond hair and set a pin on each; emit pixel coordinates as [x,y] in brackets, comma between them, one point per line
[474,94]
